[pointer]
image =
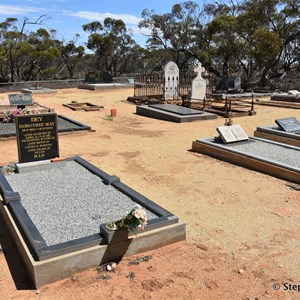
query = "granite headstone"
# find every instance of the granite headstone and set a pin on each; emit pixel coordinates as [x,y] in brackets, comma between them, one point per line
[37,137]
[288,124]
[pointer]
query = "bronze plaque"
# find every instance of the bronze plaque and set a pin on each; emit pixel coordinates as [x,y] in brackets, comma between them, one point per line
[37,137]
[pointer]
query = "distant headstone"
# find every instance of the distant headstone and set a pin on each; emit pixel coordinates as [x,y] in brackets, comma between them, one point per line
[98,77]
[288,124]
[222,84]
[199,84]
[231,134]
[171,73]
[237,83]
[92,77]
[37,137]
[20,99]
[105,77]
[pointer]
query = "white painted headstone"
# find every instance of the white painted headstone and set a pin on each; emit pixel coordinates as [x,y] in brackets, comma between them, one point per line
[171,80]
[233,133]
[199,84]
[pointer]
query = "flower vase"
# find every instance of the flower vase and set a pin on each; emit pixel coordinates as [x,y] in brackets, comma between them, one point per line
[112,233]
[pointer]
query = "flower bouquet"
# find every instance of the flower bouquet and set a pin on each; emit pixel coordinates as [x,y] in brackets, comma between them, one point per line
[11,115]
[135,219]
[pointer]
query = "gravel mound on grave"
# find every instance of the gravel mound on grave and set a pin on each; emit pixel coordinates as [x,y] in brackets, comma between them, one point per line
[69,202]
[270,151]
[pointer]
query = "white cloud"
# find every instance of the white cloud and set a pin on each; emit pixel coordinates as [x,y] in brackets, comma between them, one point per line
[10,10]
[92,16]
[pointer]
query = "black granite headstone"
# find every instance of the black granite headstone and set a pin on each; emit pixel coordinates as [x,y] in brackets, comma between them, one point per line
[20,99]
[288,124]
[37,137]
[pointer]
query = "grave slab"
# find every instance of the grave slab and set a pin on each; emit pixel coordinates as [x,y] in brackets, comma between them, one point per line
[274,133]
[276,159]
[173,113]
[65,125]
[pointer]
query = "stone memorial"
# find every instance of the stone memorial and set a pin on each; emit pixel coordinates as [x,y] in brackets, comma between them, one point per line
[288,124]
[237,83]
[20,100]
[171,73]
[199,84]
[231,134]
[37,137]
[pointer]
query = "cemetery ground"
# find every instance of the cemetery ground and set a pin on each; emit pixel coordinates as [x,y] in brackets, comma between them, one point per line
[243,232]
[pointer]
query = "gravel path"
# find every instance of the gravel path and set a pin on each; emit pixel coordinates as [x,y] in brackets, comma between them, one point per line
[69,202]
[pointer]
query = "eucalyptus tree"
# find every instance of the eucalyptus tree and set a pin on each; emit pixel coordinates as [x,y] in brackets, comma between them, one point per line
[15,49]
[111,43]
[173,33]
[72,55]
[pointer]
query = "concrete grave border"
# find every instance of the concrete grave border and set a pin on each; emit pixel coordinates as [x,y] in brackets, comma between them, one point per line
[147,111]
[226,152]
[47,264]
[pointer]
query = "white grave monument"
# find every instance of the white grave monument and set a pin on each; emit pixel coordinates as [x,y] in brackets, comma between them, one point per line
[198,84]
[171,81]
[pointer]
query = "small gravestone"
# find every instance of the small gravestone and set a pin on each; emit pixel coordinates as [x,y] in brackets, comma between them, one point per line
[231,134]
[105,77]
[20,100]
[288,124]
[37,137]
[171,73]
[199,84]
[237,83]
[222,84]
[92,77]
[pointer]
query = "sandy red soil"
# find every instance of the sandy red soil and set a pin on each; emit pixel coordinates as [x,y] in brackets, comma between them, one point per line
[243,227]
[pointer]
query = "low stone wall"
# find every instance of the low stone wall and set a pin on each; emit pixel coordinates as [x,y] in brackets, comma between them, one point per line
[50,84]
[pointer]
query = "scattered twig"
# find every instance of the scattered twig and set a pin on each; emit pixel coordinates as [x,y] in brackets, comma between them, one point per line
[131,275]
[138,260]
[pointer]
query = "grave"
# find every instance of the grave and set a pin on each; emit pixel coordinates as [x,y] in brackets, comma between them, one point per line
[38,90]
[86,106]
[273,158]
[65,125]
[16,101]
[290,96]
[57,209]
[287,131]
[173,113]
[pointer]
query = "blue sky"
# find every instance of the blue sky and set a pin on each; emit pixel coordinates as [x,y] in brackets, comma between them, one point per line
[68,16]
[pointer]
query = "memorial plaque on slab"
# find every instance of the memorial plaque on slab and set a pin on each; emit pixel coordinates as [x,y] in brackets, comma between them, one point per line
[20,99]
[37,137]
[288,124]
[231,134]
